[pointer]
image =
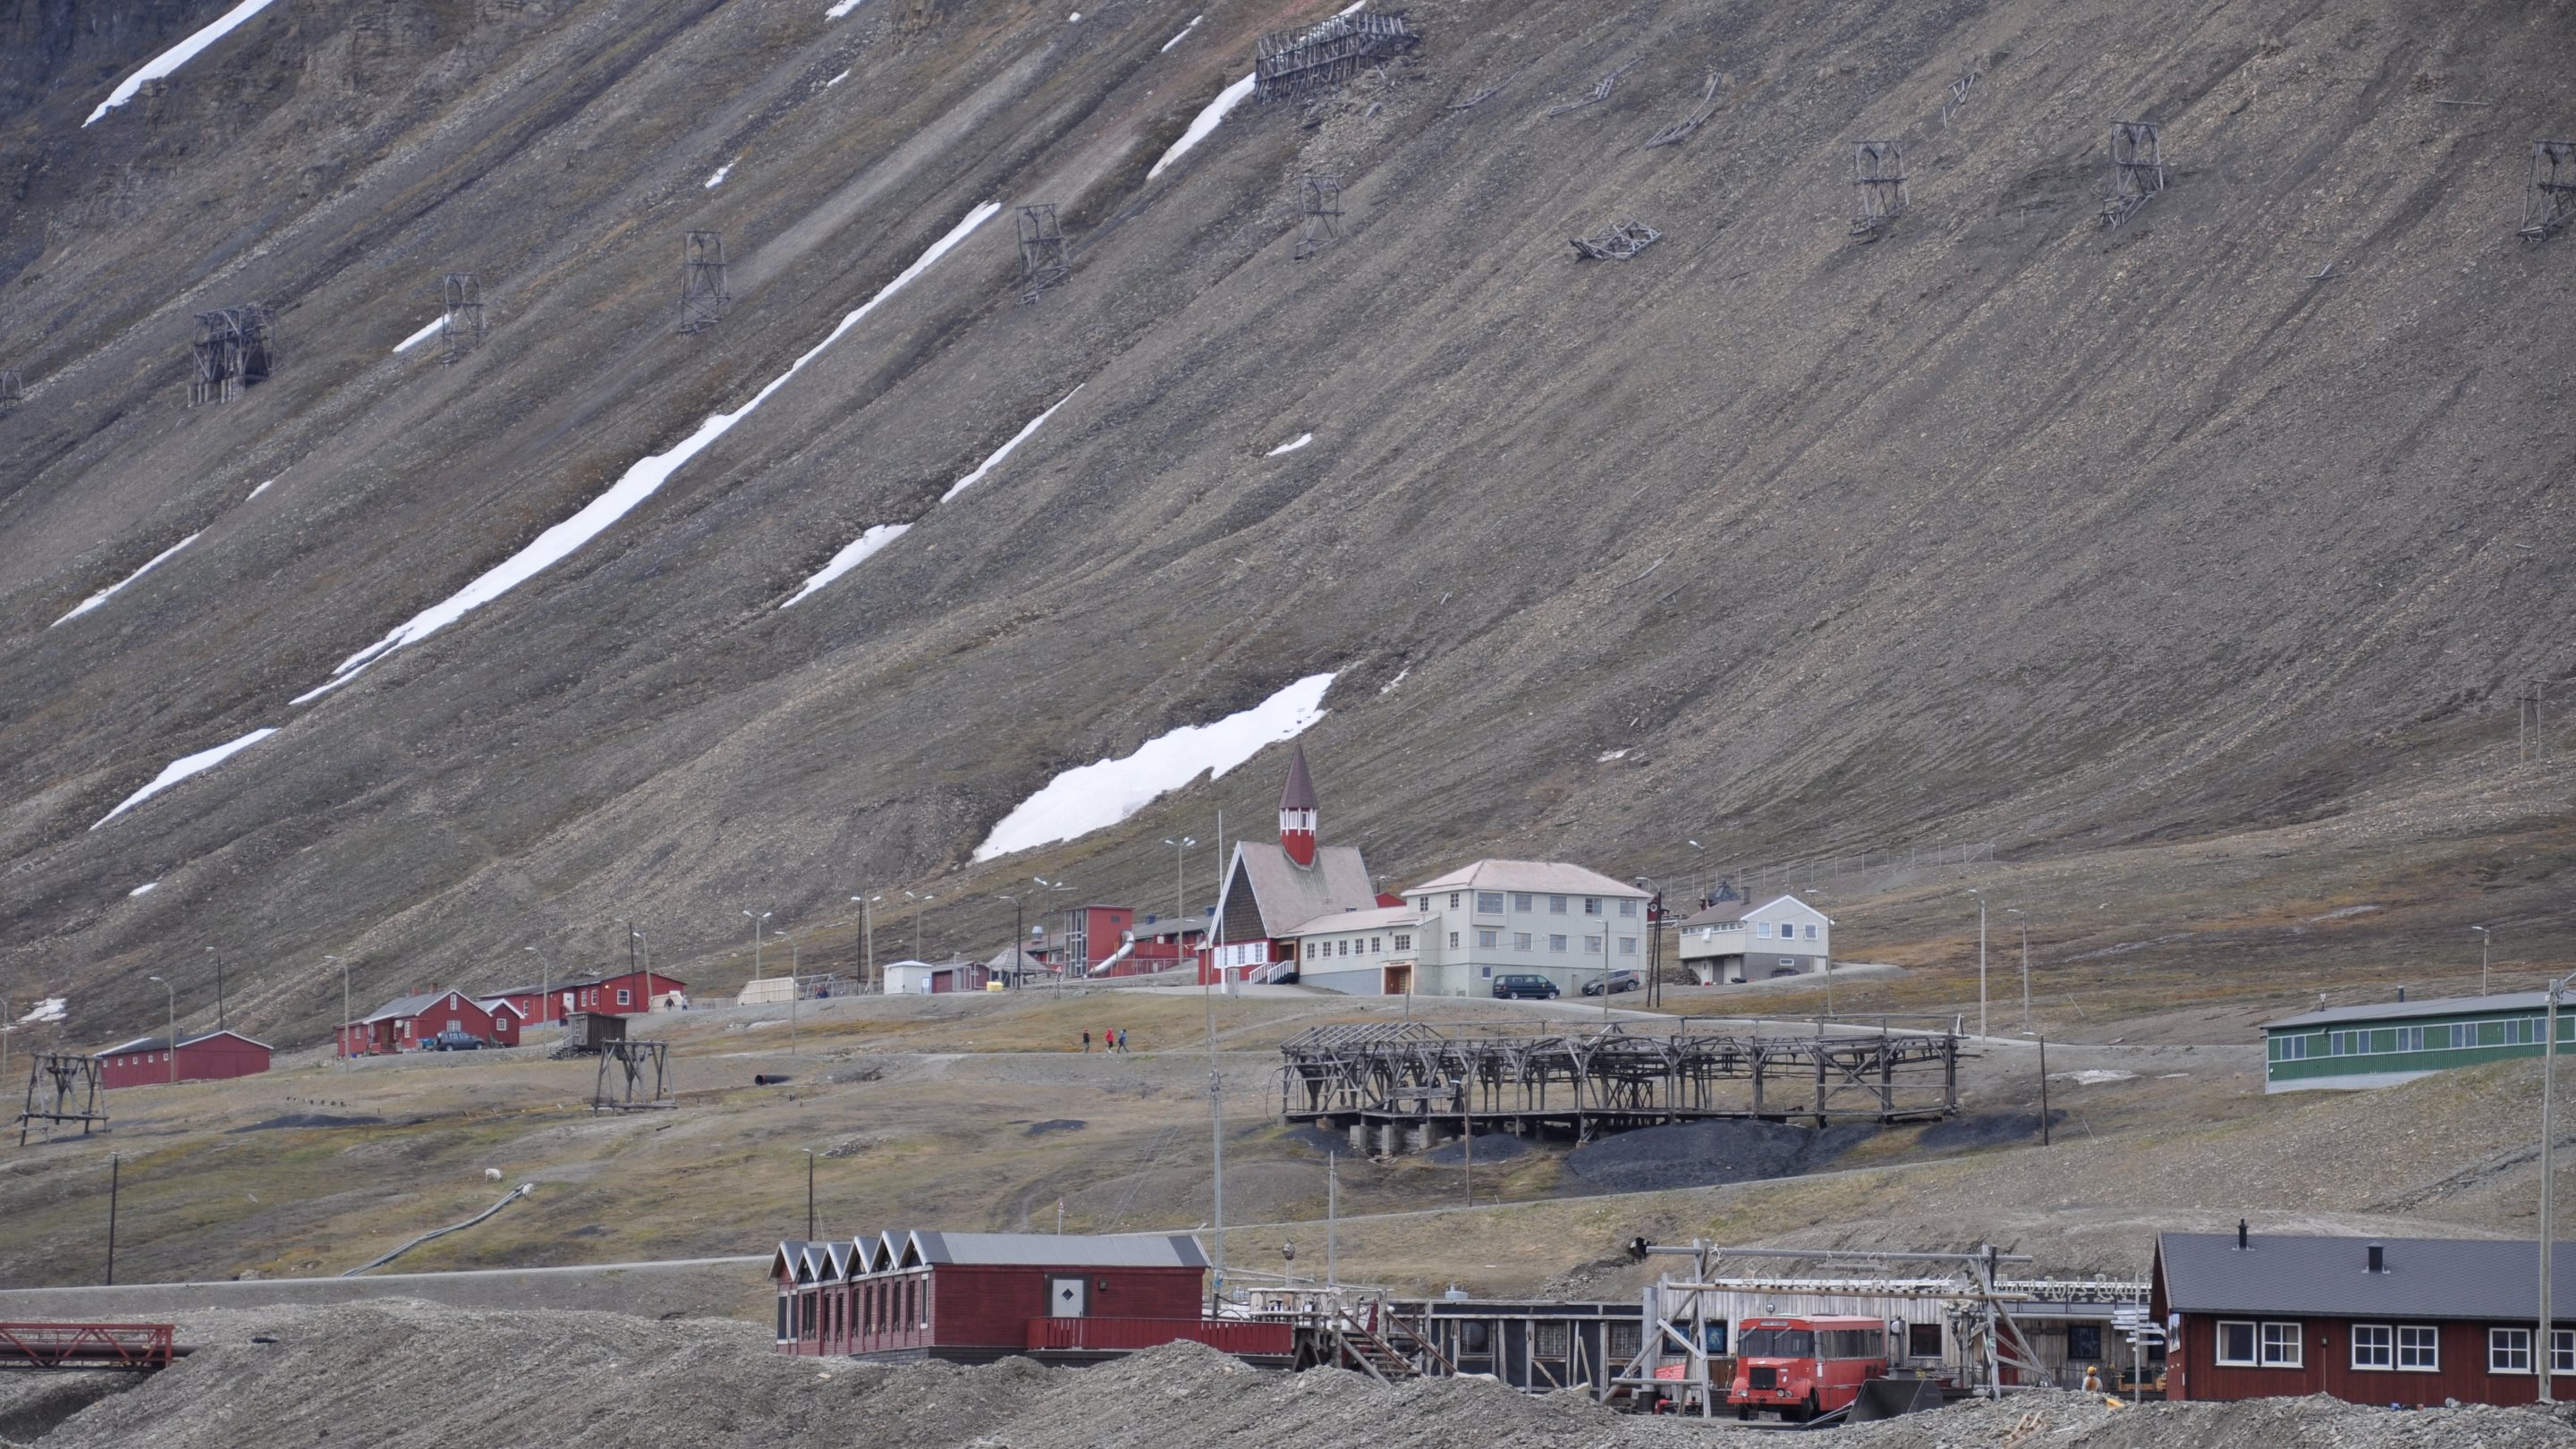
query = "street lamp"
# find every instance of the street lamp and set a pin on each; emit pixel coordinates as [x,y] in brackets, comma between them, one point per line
[867,937]
[220,1023]
[1180,892]
[755,941]
[2486,938]
[1015,935]
[545,979]
[344,1006]
[917,903]
[1980,894]
[809,1192]
[174,1029]
[2543,1359]
[2025,964]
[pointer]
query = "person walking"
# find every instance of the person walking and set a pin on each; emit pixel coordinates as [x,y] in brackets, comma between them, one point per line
[1086,1043]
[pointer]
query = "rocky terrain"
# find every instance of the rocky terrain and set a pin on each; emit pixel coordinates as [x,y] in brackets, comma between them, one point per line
[2001,527]
[298,1377]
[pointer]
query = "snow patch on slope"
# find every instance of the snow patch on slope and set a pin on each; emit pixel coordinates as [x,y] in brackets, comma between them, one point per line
[176,56]
[145,889]
[52,1008]
[841,9]
[1184,35]
[1004,451]
[722,171]
[428,330]
[254,493]
[1301,440]
[111,591]
[1205,122]
[641,481]
[1094,796]
[851,557]
[181,768]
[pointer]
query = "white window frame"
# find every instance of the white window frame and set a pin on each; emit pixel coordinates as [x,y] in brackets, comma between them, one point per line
[2409,1039]
[2374,1347]
[1488,939]
[1520,940]
[1591,905]
[2253,1340]
[1556,905]
[1592,945]
[1627,945]
[2347,1043]
[1404,941]
[2562,1351]
[2423,1354]
[1524,901]
[1556,943]
[2505,1343]
[1627,908]
[1811,933]
[1453,940]
[2282,1345]
[1483,909]
[2294,1047]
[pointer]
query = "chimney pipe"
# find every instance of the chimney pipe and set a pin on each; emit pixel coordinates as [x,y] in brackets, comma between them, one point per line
[2241,1243]
[2378,1258]
[2401,993]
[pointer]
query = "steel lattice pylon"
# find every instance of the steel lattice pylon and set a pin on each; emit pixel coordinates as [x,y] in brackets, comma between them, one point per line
[703,298]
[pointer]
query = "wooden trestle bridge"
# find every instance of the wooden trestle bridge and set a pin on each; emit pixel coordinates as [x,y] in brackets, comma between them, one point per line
[1410,1084]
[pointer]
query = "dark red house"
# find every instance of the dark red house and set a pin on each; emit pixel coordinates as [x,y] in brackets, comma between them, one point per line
[404,1023]
[2409,1321]
[146,1061]
[975,1297]
[628,993]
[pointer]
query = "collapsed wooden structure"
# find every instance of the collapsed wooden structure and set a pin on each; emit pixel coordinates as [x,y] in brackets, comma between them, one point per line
[62,1089]
[1409,1084]
[233,350]
[1290,64]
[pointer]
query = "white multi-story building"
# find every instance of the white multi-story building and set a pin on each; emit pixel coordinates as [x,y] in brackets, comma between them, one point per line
[1782,937]
[1456,933]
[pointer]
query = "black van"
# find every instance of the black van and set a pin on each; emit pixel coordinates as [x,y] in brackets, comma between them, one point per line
[1525,988]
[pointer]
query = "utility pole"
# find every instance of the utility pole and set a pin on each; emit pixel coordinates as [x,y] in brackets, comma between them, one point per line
[759,924]
[2043,1092]
[809,1193]
[1980,894]
[344,1006]
[545,978]
[115,1170]
[1332,1218]
[2548,1174]
[220,1023]
[2025,965]
[172,1056]
[1216,1123]
[2486,938]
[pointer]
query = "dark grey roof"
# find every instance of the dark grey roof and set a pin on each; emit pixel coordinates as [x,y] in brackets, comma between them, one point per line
[2330,1277]
[1289,895]
[1053,1250]
[416,1004]
[2438,1006]
[1299,792]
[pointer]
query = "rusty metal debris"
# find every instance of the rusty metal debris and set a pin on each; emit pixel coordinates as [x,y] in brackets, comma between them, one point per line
[1617,242]
[2137,169]
[1319,205]
[1879,193]
[1046,257]
[1290,64]
[703,298]
[1600,91]
[2549,196]
[1675,133]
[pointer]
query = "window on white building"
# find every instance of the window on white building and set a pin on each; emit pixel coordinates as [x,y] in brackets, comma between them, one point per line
[1489,903]
[1591,905]
[1627,945]
[1811,933]
[1592,945]
[1403,941]
[1523,901]
[1520,940]
[1489,938]
[1453,940]
[1627,908]
[1556,905]
[1762,929]
[1453,899]
[1556,943]
[1377,945]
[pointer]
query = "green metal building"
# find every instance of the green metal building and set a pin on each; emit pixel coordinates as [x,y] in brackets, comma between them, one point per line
[2398,1041]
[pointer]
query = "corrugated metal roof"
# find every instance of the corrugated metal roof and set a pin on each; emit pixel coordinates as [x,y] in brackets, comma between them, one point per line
[1288,894]
[1051,1250]
[1378,919]
[2425,1277]
[1553,876]
[415,1005]
[2404,1010]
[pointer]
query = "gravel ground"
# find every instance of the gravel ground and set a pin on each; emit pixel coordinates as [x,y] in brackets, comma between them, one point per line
[1696,1154]
[409,1374]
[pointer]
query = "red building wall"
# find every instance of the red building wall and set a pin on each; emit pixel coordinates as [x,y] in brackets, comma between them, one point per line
[974,1306]
[207,1059]
[2326,1344]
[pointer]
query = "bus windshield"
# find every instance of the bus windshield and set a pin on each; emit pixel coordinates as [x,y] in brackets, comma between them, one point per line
[1776,1343]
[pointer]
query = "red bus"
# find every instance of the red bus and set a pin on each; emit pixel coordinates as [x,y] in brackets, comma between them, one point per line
[1804,1367]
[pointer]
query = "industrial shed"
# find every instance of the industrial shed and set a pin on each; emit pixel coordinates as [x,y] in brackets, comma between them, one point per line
[210,1056]
[2410,1321]
[975,1297]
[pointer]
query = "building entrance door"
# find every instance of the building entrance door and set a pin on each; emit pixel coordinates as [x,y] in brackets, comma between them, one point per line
[1398,980]
[1067,1297]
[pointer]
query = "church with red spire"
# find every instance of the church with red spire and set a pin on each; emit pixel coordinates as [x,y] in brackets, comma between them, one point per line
[1274,887]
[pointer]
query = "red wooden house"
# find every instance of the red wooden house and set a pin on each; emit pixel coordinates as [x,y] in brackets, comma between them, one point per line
[2411,1321]
[628,993]
[406,1022]
[211,1056]
[975,1297]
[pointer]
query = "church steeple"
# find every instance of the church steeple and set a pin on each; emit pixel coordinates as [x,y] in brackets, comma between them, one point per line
[1297,811]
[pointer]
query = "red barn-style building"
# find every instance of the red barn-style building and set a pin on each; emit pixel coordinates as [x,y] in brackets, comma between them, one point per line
[628,993]
[976,1297]
[212,1056]
[404,1023]
[2409,1321]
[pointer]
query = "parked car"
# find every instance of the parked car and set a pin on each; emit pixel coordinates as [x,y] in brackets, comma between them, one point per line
[1619,981]
[1529,988]
[456,1041]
